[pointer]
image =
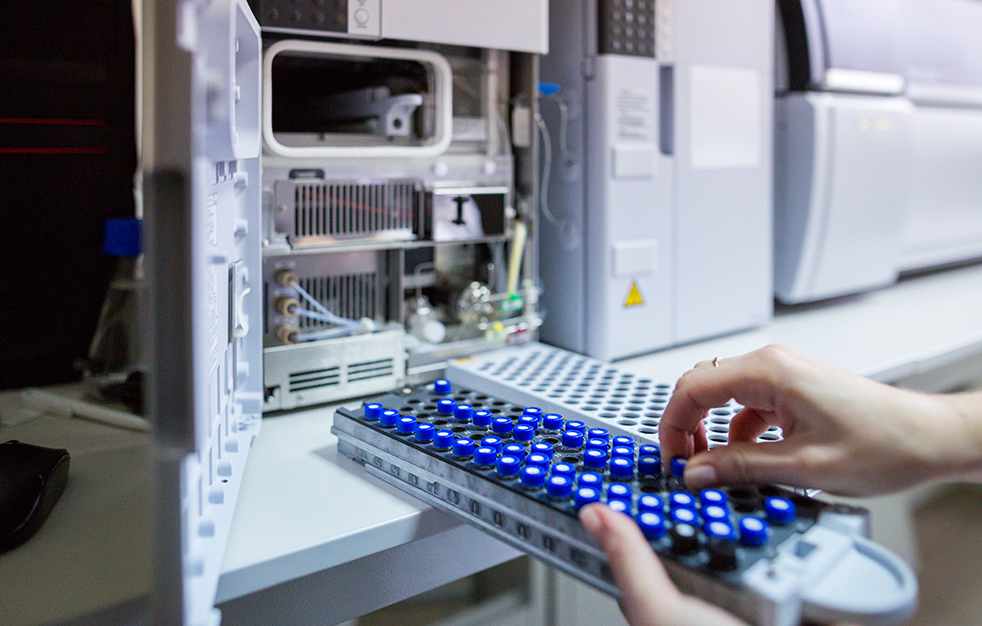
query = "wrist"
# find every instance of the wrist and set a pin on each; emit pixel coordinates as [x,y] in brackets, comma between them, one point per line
[959,435]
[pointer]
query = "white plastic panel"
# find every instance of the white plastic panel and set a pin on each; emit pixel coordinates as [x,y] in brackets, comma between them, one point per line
[944,205]
[202,175]
[930,42]
[627,312]
[723,202]
[942,45]
[519,25]
[862,35]
[841,193]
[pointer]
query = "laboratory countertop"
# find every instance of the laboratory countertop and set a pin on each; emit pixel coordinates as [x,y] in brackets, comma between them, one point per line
[303,512]
[302,509]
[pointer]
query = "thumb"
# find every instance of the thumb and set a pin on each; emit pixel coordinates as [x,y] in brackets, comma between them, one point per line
[741,463]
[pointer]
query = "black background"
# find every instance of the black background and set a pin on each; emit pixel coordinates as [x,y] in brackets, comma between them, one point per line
[67,158]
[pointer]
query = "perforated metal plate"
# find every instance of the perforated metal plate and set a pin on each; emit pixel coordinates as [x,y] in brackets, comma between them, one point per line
[579,387]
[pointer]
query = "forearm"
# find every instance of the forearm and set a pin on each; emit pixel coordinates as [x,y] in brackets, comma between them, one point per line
[964,451]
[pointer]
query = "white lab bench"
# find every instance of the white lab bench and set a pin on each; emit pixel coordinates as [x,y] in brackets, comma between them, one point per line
[315,541]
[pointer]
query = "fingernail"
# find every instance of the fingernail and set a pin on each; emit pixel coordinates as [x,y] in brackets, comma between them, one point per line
[591,519]
[700,476]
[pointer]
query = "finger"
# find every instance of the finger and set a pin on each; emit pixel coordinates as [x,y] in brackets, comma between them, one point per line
[743,462]
[745,378]
[648,596]
[695,443]
[700,442]
[747,425]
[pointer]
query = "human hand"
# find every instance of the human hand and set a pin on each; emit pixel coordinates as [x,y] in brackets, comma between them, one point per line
[648,597]
[843,433]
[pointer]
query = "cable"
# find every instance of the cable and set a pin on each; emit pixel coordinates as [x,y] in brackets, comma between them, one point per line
[515,260]
[343,326]
[569,236]
[327,333]
[564,154]
[546,173]
[331,318]
[309,298]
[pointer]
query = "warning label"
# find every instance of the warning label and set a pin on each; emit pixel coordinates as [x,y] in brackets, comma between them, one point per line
[634,296]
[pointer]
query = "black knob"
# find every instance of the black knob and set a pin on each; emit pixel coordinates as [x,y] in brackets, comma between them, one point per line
[685,539]
[722,555]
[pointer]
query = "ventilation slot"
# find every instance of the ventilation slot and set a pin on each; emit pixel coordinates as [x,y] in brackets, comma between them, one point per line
[370,369]
[352,296]
[352,210]
[315,379]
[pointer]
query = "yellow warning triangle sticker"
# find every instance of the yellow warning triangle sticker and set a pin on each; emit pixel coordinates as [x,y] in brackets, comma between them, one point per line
[634,296]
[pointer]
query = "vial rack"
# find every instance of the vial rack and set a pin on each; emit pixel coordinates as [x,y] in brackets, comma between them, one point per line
[766,554]
[584,389]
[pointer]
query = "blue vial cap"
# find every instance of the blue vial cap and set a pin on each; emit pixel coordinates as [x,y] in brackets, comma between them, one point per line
[649,502]
[617,491]
[549,89]
[623,451]
[590,479]
[502,425]
[543,447]
[373,411]
[649,450]
[445,406]
[559,487]
[684,516]
[523,432]
[533,411]
[720,530]
[463,447]
[123,237]
[715,513]
[564,469]
[652,525]
[621,506]
[780,511]
[492,442]
[508,465]
[677,467]
[621,467]
[442,386]
[649,466]
[529,420]
[389,418]
[443,439]
[585,496]
[573,439]
[626,442]
[598,433]
[516,450]
[406,425]
[463,412]
[482,418]
[533,476]
[576,425]
[753,531]
[538,459]
[681,499]
[485,456]
[595,459]
[552,421]
[596,444]
[712,496]
[424,432]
